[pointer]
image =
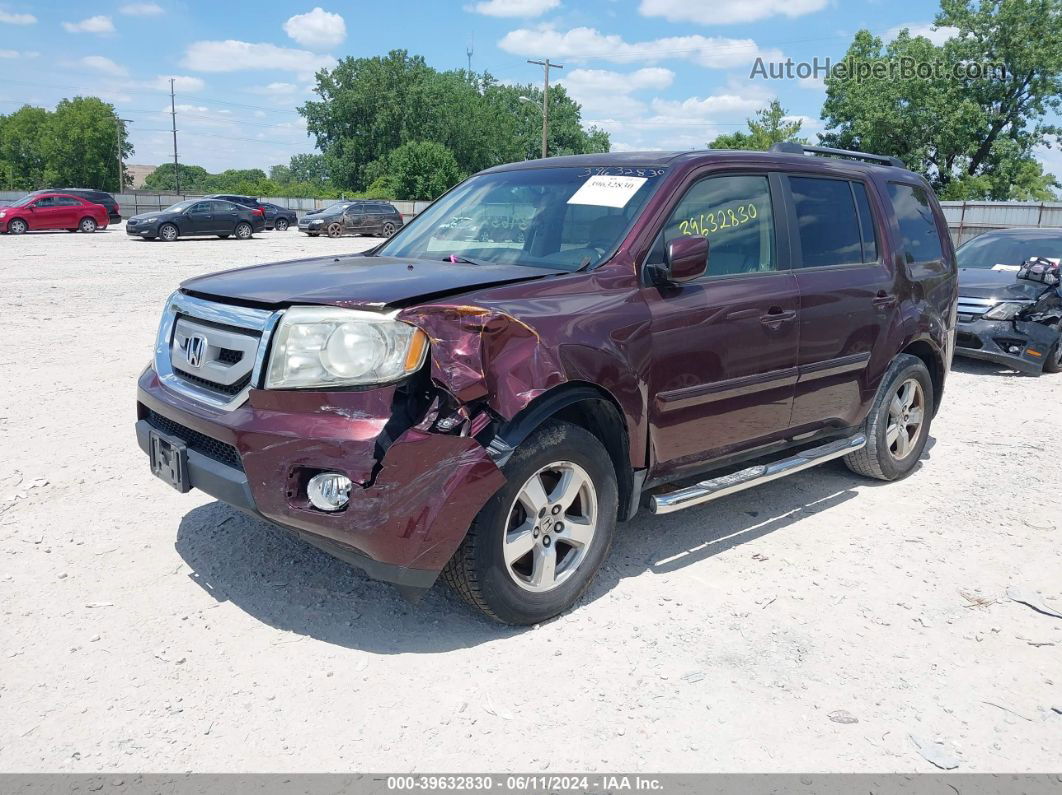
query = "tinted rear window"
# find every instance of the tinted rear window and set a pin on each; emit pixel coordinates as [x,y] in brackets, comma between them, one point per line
[826,221]
[866,222]
[918,230]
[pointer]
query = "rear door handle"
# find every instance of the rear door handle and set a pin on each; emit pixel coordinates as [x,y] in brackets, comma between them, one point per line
[883,300]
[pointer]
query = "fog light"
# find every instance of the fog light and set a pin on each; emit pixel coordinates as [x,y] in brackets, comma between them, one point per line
[329,491]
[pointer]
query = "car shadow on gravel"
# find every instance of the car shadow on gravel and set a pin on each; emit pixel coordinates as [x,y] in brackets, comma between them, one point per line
[295,587]
[979,367]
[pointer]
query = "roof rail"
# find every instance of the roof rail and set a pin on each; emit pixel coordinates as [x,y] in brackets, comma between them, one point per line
[794,148]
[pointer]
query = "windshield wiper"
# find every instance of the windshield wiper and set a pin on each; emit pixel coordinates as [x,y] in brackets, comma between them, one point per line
[455,258]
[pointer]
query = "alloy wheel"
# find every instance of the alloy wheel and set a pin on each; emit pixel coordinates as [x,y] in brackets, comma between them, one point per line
[281,225]
[88,225]
[243,231]
[335,230]
[168,232]
[550,526]
[906,415]
[388,229]
[17,227]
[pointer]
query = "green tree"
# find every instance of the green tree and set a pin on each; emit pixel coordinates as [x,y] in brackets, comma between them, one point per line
[22,158]
[767,129]
[280,174]
[522,104]
[973,136]
[80,145]
[194,179]
[312,168]
[419,170]
[369,107]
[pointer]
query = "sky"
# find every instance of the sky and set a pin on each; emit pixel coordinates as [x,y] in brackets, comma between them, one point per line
[657,74]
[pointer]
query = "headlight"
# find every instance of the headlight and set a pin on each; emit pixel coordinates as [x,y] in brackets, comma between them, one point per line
[1005,310]
[319,346]
[3,213]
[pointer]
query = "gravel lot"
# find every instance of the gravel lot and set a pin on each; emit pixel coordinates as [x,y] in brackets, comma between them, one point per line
[146,630]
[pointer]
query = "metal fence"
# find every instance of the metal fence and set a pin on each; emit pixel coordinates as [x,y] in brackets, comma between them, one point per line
[969,219]
[144,202]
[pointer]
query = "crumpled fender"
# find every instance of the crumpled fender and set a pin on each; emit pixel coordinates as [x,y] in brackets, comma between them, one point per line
[484,354]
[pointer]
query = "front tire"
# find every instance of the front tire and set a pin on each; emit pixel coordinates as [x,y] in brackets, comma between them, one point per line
[335,230]
[168,233]
[17,227]
[1053,359]
[536,545]
[897,426]
[281,225]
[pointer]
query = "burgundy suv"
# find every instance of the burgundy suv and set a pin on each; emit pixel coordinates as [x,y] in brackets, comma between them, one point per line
[671,329]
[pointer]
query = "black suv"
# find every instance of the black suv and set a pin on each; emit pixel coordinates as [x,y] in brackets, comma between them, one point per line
[114,213]
[378,218]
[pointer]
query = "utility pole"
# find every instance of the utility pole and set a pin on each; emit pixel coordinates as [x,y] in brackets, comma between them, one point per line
[173,115]
[468,52]
[545,100]
[121,165]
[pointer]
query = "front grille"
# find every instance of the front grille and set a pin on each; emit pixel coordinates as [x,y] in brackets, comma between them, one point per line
[229,356]
[201,443]
[225,389]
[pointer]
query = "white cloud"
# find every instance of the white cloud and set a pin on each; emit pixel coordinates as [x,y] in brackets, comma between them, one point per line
[9,54]
[235,56]
[141,9]
[318,29]
[578,44]
[655,77]
[104,65]
[7,18]
[276,88]
[181,83]
[604,92]
[513,8]
[709,108]
[725,12]
[936,35]
[98,24]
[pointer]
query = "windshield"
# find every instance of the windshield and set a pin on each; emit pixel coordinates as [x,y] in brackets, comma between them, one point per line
[180,206]
[567,218]
[990,250]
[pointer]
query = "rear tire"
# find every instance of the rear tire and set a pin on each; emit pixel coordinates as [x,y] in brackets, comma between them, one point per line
[168,233]
[514,564]
[897,426]
[281,225]
[243,231]
[388,229]
[87,225]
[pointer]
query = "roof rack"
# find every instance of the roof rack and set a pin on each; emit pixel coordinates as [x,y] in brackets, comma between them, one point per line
[793,148]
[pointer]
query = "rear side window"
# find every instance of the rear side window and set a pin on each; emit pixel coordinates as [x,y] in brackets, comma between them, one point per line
[918,229]
[866,222]
[826,221]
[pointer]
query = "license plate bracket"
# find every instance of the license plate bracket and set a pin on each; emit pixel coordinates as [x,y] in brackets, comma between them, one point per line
[169,460]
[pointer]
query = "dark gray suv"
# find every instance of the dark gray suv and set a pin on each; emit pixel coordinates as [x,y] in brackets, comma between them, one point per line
[377,218]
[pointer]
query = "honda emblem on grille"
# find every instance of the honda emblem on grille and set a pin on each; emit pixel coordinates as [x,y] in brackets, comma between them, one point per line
[194,349]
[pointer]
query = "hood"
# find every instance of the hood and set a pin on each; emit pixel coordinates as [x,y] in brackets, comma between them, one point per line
[152,214]
[356,280]
[1002,285]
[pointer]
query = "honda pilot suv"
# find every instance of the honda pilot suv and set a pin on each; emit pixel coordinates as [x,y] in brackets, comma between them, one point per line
[672,328]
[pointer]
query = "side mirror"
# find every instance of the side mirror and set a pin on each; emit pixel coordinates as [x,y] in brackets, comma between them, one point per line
[686,259]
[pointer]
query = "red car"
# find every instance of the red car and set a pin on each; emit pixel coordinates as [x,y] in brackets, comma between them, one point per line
[52,211]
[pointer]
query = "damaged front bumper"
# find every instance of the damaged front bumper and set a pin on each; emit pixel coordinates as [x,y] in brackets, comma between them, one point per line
[1019,345]
[416,490]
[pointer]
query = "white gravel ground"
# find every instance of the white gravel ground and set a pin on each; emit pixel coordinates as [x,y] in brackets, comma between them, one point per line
[146,630]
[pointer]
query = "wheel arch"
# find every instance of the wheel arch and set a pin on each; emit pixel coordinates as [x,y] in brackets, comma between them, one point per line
[933,359]
[592,408]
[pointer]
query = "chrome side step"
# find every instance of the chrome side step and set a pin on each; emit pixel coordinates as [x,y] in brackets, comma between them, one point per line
[713,489]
